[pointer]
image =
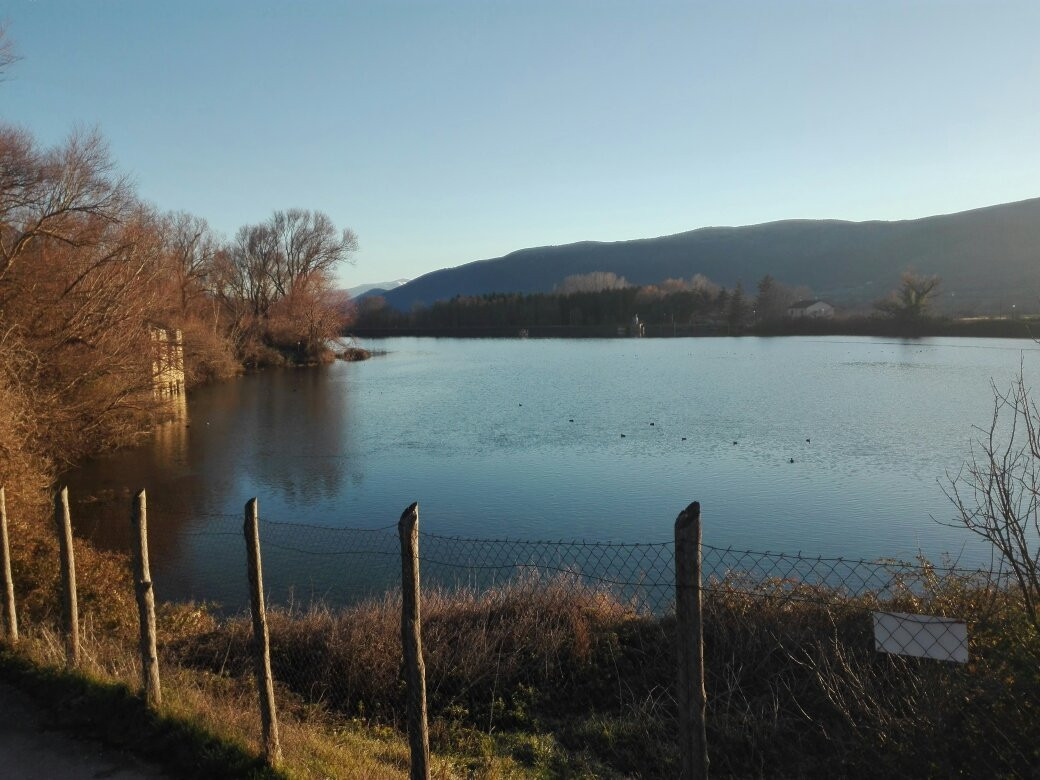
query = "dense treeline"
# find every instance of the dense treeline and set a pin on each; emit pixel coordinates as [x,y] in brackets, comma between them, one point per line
[594,302]
[603,304]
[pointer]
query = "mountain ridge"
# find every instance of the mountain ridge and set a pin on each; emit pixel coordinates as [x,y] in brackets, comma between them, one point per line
[360,290]
[988,257]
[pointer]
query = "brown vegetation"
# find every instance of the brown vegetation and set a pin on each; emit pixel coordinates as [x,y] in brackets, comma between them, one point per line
[913,298]
[86,270]
[548,677]
[795,686]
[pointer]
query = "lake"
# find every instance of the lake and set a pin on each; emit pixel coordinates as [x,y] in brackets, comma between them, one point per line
[561,439]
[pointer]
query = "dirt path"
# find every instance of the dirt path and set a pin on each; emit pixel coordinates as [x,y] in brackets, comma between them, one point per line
[30,751]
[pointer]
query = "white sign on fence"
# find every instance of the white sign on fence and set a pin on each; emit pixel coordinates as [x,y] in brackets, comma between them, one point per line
[921,636]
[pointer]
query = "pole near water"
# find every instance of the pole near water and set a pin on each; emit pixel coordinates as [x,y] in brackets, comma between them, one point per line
[69,607]
[145,600]
[10,613]
[261,638]
[411,645]
[689,614]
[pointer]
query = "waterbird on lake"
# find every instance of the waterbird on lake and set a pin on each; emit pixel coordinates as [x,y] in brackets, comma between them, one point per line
[570,421]
[734,443]
[684,438]
[651,423]
[806,441]
[622,436]
[791,460]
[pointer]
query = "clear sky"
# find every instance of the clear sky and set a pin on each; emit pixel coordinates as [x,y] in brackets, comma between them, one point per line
[444,132]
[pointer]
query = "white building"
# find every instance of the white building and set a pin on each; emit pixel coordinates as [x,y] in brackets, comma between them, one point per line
[811,308]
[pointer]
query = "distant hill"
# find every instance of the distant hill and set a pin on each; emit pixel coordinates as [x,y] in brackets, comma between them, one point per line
[988,258]
[375,287]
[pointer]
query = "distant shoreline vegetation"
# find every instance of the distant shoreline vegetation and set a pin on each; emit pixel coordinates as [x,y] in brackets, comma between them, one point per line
[601,305]
[1023,328]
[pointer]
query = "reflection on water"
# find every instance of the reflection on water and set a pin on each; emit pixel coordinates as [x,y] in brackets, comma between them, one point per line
[230,443]
[171,437]
[824,446]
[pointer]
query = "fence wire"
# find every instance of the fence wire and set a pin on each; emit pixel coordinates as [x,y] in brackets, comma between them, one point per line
[812,663]
[337,566]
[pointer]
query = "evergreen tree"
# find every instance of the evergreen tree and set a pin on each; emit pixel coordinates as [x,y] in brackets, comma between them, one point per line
[737,311]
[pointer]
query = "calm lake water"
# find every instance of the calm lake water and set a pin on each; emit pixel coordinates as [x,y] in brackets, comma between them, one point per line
[566,439]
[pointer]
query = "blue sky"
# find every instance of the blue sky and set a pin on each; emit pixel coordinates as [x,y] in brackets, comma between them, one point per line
[445,132]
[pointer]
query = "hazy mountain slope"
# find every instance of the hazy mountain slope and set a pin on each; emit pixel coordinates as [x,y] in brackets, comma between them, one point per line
[988,257]
[361,289]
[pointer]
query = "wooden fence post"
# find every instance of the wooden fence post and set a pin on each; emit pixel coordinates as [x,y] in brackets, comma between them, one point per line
[261,638]
[411,644]
[145,601]
[693,738]
[69,607]
[10,613]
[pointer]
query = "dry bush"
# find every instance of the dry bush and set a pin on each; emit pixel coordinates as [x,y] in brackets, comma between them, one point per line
[104,579]
[79,270]
[794,685]
[208,354]
[23,470]
[794,681]
[25,476]
[481,650]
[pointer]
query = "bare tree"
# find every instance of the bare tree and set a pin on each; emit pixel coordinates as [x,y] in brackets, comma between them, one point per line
[267,261]
[912,299]
[997,491]
[596,281]
[274,281]
[705,287]
[79,265]
[191,247]
[66,194]
[254,266]
[308,244]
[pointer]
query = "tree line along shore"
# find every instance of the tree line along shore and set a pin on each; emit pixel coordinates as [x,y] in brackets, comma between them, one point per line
[603,305]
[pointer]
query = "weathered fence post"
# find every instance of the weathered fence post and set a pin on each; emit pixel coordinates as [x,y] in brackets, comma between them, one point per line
[261,638]
[10,613]
[411,643]
[145,600]
[69,607]
[693,739]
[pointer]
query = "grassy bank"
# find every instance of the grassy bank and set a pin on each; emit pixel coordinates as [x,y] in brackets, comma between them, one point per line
[573,683]
[544,678]
[93,706]
[208,724]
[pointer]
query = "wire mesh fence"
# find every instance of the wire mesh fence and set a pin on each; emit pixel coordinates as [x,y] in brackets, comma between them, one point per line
[340,566]
[811,663]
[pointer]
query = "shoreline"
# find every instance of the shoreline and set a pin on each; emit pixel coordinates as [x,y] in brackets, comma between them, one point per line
[963,328]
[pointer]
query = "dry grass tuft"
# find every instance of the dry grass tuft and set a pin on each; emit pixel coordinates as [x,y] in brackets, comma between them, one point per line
[572,681]
[481,649]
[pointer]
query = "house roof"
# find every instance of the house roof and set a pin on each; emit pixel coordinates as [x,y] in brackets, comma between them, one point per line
[806,303]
